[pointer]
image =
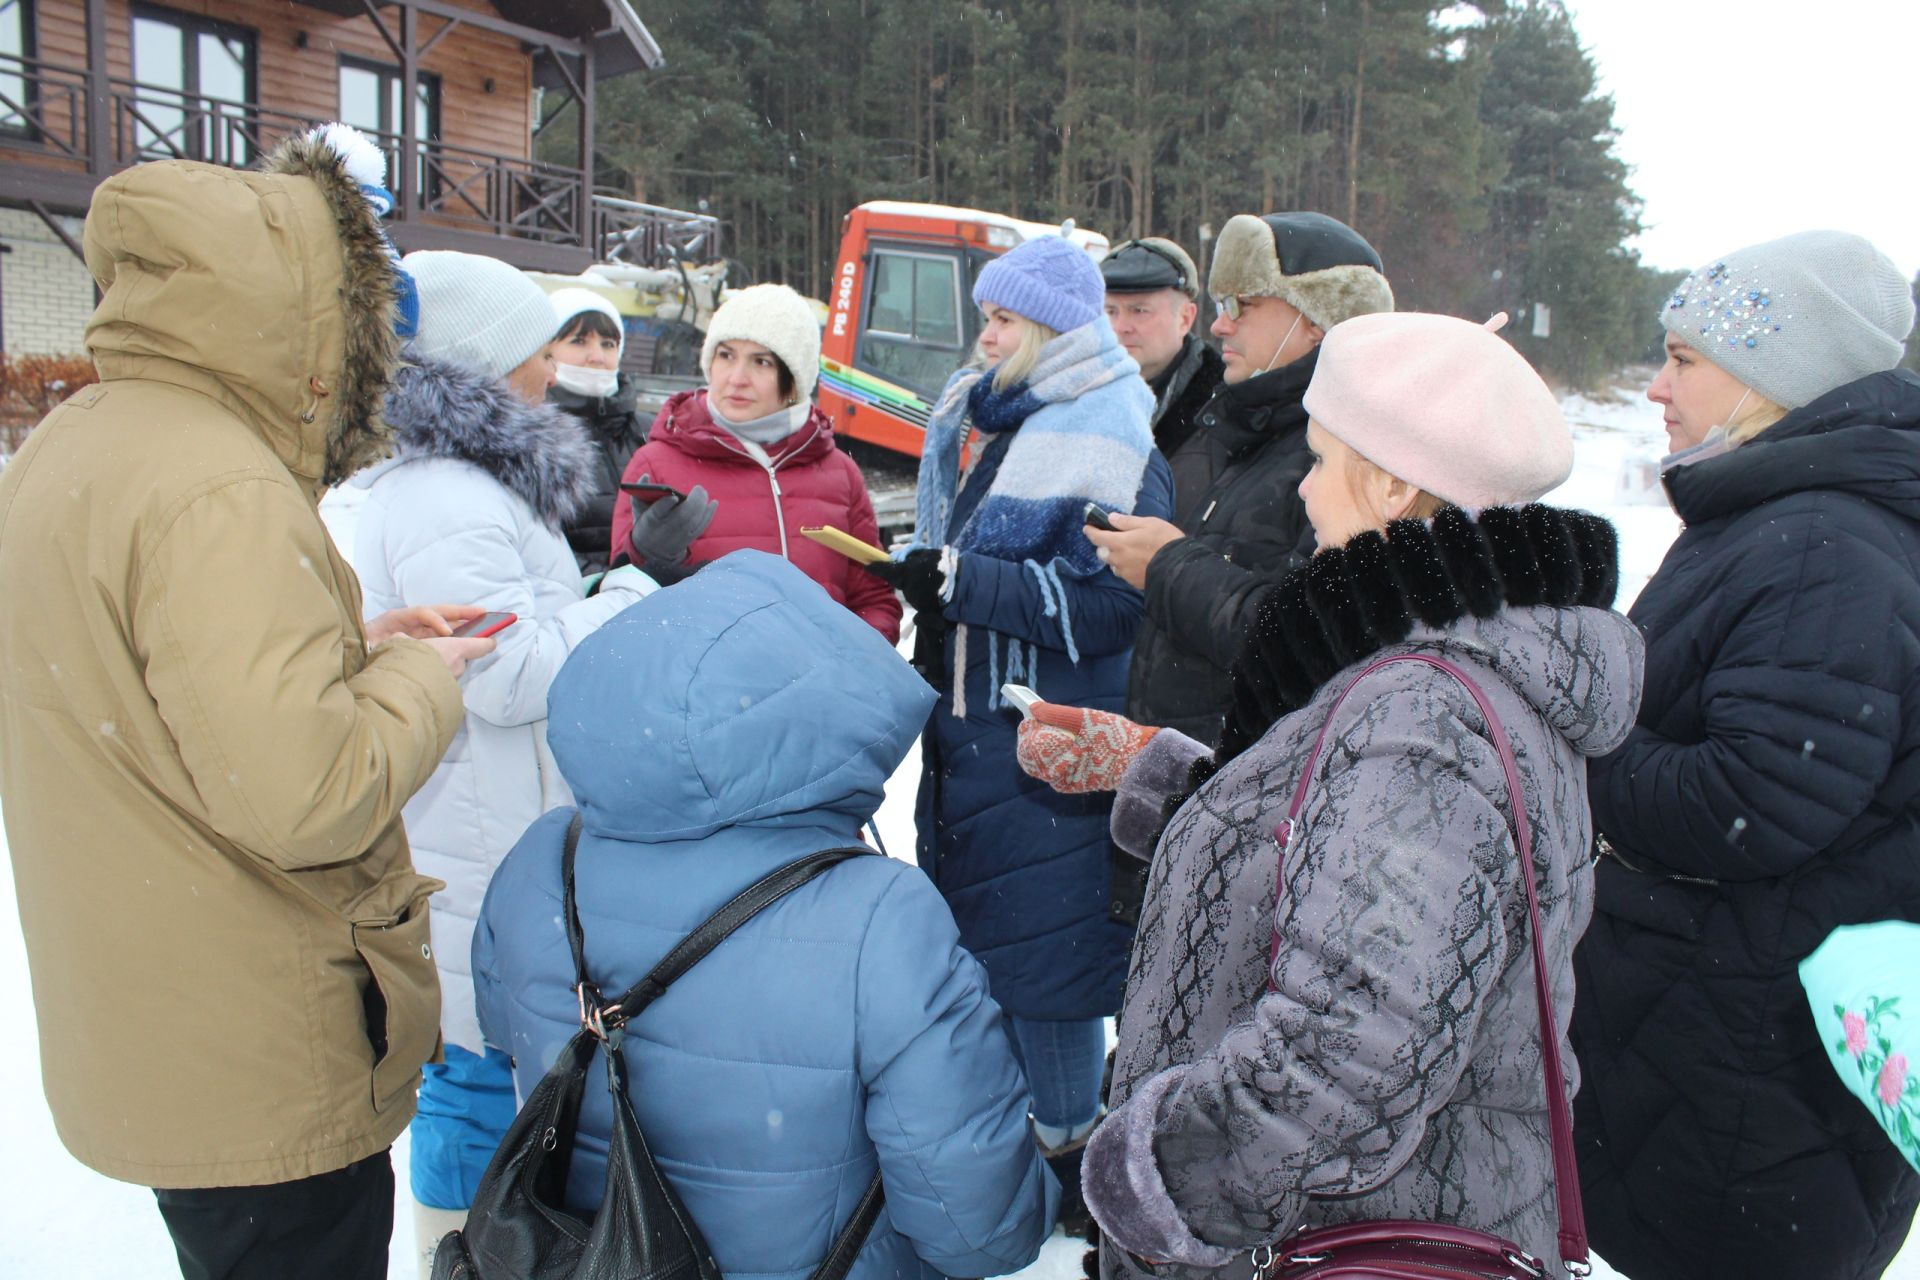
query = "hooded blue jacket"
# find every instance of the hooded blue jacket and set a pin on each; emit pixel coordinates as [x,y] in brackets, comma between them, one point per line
[712,733]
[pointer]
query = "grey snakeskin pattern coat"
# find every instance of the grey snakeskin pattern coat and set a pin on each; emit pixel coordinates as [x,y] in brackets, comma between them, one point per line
[1395,1070]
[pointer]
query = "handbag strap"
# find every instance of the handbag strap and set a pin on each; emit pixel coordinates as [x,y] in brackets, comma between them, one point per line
[1566,1171]
[602,1018]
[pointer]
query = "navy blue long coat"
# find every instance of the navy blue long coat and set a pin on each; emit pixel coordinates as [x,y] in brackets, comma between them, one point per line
[1770,792]
[1027,870]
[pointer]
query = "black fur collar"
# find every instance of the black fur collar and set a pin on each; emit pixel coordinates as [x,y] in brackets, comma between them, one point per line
[538,451]
[1350,602]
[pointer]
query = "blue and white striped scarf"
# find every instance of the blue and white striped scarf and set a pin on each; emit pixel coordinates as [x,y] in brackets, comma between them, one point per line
[1035,508]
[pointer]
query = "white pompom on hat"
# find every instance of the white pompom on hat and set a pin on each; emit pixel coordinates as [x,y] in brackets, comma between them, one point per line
[574,301]
[1444,404]
[778,319]
[477,313]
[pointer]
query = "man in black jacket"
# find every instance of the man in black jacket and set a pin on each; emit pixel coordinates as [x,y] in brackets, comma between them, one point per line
[1153,294]
[1282,281]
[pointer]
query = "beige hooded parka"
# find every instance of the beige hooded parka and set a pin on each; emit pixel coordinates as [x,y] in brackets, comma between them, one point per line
[201,765]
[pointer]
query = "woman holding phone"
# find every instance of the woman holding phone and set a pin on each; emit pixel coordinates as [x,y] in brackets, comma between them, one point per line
[755,461]
[472,507]
[1008,589]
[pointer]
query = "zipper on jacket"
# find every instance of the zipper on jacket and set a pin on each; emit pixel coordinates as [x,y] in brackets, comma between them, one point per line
[779,513]
[771,467]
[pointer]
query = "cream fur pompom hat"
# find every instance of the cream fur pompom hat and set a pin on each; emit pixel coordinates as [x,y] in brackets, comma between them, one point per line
[778,319]
[1444,404]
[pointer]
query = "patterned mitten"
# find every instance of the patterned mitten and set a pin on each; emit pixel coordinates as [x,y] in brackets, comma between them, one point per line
[1076,749]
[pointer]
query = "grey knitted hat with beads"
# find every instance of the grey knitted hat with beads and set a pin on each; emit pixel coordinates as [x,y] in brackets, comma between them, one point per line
[1796,317]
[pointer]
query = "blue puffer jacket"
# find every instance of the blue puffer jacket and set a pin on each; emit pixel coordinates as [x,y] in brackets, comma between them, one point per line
[739,721]
[1027,870]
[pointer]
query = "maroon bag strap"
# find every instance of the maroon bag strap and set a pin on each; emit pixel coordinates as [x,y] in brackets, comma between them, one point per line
[1566,1172]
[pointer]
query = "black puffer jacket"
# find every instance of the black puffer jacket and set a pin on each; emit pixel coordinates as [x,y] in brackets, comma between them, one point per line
[1236,489]
[617,430]
[1770,792]
[1181,392]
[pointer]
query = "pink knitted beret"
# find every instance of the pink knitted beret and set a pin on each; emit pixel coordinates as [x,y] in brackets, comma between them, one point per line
[1444,404]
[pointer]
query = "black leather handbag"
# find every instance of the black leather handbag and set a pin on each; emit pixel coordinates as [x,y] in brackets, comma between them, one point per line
[519,1229]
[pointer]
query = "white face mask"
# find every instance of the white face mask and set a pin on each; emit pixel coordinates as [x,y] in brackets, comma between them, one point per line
[593,383]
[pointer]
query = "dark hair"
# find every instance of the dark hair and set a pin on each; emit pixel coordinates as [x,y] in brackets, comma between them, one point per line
[596,324]
[787,383]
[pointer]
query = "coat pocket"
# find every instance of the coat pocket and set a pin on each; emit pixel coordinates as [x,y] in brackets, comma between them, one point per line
[402,999]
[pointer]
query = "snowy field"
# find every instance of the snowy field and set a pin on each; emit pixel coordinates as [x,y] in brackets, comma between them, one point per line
[60,1221]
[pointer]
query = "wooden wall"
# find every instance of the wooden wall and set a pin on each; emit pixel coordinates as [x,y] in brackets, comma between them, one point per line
[306,82]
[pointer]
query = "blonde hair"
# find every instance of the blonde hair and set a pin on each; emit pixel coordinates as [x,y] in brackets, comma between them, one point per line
[1755,416]
[1425,506]
[1014,369]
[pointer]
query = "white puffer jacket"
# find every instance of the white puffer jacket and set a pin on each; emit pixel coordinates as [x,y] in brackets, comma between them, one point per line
[469,512]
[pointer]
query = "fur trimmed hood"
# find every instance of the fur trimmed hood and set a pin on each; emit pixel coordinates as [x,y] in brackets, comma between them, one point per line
[1320,265]
[1418,579]
[357,436]
[538,452]
[270,292]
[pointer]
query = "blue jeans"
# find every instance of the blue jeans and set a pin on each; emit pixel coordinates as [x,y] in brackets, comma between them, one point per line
[1063,1062]
[466,1106]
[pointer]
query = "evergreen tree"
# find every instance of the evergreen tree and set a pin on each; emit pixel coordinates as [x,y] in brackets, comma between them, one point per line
[1463,140]
[1562,212]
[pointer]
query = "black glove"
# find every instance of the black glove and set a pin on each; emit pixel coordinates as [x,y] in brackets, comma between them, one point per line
[917,577]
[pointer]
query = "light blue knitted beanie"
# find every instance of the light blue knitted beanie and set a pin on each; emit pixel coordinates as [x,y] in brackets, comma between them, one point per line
[1051,281]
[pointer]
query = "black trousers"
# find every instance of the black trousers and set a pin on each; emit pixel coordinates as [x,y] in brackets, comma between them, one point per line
[334,1226]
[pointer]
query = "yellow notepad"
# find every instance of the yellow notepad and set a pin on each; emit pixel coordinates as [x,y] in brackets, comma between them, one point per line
[845,543]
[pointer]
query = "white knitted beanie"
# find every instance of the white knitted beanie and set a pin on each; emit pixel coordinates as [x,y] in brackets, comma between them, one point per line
[778,319]
[478,313]
[574,301]
[1796,317]
[1443,404]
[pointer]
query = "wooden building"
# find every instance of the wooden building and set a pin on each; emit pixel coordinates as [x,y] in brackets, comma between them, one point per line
[448,87]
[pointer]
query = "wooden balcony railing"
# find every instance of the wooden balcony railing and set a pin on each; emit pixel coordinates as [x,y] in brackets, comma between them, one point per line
[44,124]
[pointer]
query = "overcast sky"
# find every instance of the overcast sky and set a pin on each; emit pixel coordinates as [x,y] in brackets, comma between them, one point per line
[1747,121]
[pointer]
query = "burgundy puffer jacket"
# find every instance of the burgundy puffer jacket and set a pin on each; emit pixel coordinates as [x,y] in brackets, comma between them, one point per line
[809,482]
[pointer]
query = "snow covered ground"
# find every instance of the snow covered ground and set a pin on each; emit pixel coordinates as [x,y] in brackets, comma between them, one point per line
[60,1221]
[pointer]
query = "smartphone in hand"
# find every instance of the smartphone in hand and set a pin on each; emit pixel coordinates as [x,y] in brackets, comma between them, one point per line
[1020,698]
[1096,515]
[650,492]
[487,624]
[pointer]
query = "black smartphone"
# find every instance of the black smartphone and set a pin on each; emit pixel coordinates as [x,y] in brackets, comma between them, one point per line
[649,492]
[1096,516]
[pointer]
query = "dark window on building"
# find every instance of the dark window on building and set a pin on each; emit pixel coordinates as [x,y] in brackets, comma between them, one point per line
[370,101]
[17,89]
[913,331]
[194,87]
